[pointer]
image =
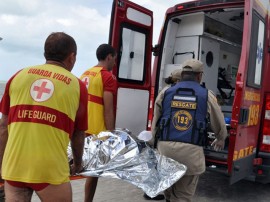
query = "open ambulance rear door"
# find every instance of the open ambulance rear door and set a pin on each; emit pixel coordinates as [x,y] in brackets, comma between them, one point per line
[131,35]
[248,102]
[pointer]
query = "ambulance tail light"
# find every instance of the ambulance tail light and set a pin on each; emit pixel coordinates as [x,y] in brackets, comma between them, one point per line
[180,7]
[265,142]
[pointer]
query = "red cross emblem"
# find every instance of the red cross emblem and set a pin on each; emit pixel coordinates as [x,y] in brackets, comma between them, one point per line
[85,80]
[41,90]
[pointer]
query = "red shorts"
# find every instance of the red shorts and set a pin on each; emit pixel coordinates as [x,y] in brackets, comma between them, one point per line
[34,186]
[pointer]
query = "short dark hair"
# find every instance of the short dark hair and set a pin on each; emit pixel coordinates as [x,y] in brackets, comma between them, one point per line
[189,76]
[58,46]
[169,80]
[104,50]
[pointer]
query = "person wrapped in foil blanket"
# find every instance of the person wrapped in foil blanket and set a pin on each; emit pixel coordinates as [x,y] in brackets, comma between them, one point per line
[117,155]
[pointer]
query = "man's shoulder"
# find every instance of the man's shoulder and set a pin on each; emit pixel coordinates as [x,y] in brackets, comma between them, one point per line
[92,71]
[211,96]
[107,74]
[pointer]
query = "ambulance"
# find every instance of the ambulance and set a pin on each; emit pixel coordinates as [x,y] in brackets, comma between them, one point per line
[231,38]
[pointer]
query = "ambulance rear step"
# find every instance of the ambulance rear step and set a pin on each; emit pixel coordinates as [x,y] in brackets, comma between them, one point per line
[219,157]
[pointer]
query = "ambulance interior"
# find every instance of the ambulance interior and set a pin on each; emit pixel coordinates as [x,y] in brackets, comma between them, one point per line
[215,38]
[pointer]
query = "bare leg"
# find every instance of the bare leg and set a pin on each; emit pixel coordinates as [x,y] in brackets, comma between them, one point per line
[90,188]
[14,194]
[59,193]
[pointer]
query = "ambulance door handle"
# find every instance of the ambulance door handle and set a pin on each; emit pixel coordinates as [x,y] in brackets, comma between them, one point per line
[156,50]
[243,118]
[131,54]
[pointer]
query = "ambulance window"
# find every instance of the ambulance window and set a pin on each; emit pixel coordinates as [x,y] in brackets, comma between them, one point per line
[256,51]
[132,55]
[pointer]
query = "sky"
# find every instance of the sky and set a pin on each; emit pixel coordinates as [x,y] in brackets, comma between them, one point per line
[25,25]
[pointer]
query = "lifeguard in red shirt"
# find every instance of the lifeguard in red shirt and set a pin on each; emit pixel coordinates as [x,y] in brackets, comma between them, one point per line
[43,108]
[102,87]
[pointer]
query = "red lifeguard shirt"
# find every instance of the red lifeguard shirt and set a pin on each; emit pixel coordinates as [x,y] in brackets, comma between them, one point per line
[44,104]
[98,80]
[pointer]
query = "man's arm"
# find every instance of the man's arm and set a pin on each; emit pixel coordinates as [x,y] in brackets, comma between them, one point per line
[217,123]
[157,114]
[77,145]
[108,110]
[3,137]
[78,136]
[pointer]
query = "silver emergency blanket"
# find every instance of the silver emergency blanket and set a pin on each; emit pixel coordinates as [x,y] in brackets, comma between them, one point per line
[117,155]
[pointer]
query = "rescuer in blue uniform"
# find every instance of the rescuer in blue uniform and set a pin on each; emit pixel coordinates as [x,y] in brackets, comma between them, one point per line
[181,117]
[170,80]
